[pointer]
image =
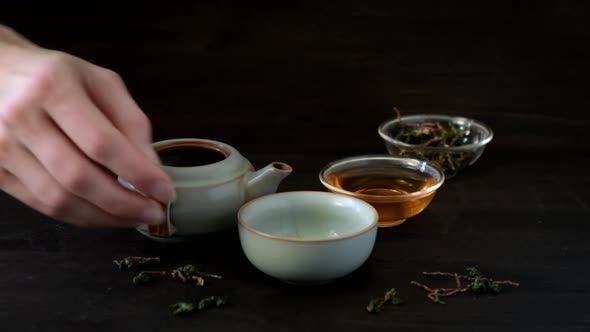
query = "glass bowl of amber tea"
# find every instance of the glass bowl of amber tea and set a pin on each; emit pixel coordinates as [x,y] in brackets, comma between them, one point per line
[452,142]
[397,187]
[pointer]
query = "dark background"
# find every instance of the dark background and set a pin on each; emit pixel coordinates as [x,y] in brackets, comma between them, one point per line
[307,83]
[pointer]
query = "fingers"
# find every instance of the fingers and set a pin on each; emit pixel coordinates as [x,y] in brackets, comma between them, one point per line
[60,148]
[58,174]
[76,213]
[8,35]
[98,139]
[11,185]
[109,93]
[40,191]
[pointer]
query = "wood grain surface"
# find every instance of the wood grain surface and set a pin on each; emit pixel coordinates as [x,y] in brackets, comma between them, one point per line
[306,84]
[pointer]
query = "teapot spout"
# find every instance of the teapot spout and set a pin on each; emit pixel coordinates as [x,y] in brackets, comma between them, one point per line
[266,180]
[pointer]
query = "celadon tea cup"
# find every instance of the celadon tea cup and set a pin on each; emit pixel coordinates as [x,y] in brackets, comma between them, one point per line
[212,181]
[307,237]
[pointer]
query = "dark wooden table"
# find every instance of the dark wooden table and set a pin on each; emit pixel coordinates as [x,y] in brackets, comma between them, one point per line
[306,84]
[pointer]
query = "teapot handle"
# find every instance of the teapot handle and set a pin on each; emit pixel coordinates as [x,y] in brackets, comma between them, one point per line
[165,230]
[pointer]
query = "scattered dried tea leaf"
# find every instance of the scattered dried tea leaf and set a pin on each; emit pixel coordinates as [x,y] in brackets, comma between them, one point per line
[202,304]
[375,305]
[396,300]
[182,308]
[477,283]
[480,284]
[133,263]
[147,277]
[210,301]
[209,275]
[191,273]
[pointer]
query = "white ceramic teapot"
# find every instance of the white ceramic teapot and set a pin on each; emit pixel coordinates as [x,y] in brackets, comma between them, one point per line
[212,181]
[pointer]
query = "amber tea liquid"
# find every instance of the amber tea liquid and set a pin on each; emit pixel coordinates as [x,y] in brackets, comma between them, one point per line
[190,154]
[385,183]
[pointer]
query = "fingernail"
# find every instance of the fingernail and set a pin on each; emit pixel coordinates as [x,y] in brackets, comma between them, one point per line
[154,215]
[162,191]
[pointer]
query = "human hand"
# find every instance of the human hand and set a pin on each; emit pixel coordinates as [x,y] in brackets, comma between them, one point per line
[68,128]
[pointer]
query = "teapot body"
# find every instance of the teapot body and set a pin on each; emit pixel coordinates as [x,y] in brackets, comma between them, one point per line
[209,195]
[210,208]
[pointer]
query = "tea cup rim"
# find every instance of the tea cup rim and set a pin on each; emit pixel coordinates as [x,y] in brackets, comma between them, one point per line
[375,198]
[373,224]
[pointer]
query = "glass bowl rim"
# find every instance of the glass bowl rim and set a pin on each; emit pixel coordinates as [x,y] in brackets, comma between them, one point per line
[441,117]
[383,199]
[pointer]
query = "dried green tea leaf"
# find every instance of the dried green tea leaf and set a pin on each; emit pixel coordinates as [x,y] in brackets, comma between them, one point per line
[192,273]
[480,284]
[477,283]
[198,280]
[473,272]
[375,305]
[133,263]
[147,277]
[396,300]
[181,308]
[192,269]
[209,275]
[436,299]
[210,301]
[204,303]
[435,134]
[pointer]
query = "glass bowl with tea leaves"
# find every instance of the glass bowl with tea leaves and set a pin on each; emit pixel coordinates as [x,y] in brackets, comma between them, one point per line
[452,142]
[398,188]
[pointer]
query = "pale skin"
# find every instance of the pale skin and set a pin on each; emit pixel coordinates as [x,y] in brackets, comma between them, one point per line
[68,128]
